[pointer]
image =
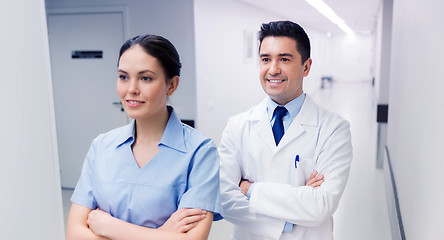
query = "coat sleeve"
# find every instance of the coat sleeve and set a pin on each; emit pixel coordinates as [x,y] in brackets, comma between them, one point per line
[236,206]
[304,205]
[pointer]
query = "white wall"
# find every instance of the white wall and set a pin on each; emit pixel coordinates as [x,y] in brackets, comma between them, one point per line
[416,115]
[351,58]
[321,55]
[173,19]
[378,53]
[383,46]
[30,199]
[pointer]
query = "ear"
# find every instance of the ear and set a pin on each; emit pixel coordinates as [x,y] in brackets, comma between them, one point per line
[174,82]
[307,67]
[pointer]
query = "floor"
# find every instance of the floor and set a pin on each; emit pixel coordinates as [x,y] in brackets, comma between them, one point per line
[66,195]
[362,212]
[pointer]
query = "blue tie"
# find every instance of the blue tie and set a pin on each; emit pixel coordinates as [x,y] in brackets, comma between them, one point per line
[278,126]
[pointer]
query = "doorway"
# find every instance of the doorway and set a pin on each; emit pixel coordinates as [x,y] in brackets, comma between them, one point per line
[84,49]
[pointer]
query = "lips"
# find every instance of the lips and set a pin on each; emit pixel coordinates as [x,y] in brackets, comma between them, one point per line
[134,103]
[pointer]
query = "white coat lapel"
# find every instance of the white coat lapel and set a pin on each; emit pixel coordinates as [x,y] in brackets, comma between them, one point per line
[261,126]
[307,116]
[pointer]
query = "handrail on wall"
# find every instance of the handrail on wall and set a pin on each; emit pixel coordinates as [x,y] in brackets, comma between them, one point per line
[397,227]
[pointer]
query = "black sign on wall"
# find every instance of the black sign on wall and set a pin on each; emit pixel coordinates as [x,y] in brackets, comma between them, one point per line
[382,114]
[86,54]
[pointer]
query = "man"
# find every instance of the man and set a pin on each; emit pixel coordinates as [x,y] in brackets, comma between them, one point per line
[283,170]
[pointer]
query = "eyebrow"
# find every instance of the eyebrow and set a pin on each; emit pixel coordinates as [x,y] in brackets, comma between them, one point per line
[141,72]
[280,55]
[285,55]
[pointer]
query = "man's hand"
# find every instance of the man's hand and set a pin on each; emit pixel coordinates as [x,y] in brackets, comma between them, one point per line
[183,220]
[315,180]
[245,186]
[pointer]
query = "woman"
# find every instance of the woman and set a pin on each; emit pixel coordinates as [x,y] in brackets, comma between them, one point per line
[155,178]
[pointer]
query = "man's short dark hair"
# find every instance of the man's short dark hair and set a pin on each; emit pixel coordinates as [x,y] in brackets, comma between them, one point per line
[287,29]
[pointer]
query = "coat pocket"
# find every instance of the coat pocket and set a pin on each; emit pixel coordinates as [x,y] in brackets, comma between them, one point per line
[301,170]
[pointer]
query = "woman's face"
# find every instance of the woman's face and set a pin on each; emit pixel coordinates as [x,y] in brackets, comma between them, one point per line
[142,84]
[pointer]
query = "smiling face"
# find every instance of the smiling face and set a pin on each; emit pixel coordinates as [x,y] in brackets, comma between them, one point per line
[281,70]
[142,84]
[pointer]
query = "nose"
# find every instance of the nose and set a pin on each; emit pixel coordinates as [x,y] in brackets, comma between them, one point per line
[134,87]
[274,68]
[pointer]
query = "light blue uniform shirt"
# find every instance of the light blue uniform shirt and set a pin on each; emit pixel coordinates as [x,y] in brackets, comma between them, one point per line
[183,174]
[293,107]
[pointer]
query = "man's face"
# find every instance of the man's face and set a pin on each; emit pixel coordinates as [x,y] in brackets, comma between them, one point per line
[281,70]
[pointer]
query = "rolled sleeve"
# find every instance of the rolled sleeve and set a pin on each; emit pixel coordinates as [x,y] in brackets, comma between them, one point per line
[203,186]
[83,193]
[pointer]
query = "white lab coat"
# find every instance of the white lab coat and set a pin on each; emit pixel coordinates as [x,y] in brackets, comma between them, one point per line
[247,150]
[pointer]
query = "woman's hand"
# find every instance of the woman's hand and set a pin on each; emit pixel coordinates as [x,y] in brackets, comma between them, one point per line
[98,221]
[183,220]
[315,180]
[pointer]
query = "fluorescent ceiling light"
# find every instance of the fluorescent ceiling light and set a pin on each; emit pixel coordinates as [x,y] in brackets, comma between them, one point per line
[325,10]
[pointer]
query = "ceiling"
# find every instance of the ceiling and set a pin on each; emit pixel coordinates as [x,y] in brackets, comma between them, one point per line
[359,15]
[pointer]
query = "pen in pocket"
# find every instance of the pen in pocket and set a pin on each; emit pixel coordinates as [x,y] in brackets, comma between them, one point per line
[296,160]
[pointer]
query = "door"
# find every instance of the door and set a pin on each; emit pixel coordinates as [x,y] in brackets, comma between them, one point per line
[84,49]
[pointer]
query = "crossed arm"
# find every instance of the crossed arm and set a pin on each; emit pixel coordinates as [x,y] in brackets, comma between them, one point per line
[315,180]
[84,223]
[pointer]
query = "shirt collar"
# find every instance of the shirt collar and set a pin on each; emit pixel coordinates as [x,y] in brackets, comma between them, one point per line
[172,136]
[293,107]
[128,133]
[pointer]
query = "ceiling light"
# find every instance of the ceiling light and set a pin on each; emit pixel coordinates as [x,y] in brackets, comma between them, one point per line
[325,10]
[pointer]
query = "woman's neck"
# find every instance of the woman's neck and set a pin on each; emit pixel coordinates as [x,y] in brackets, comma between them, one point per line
[150,130]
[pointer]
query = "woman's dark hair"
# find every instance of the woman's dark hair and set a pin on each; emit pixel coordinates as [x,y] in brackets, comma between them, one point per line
[158,47]
[287,29]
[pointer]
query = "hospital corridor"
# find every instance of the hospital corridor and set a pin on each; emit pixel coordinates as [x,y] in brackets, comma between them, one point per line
[376,63]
